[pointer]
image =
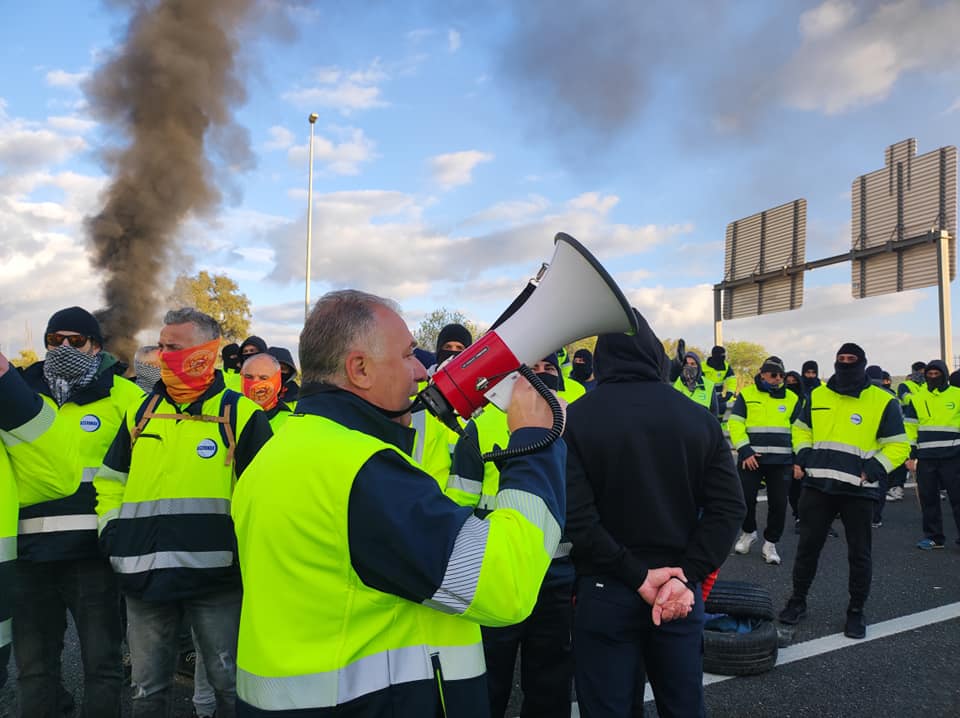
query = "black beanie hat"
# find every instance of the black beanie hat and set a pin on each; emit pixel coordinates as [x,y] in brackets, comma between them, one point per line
[230,350]
[918,366]
[874,372]
[75,319]
[774,364]
[810,364]
[855,349]
[454,333]
[718,352]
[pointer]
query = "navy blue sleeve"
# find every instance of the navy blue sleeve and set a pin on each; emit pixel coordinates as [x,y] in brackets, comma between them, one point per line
[18,403]
[401,528]
[467,461]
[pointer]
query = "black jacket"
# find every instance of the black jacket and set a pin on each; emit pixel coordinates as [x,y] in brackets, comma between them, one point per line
[650,479]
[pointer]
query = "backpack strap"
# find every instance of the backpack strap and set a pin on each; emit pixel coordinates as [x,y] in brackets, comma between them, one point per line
[144,414]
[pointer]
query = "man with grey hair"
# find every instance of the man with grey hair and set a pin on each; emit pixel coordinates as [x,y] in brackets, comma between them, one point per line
[365,586]
[163,502]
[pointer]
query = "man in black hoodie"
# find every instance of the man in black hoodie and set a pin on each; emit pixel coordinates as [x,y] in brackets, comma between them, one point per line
[811,375]
[653,507]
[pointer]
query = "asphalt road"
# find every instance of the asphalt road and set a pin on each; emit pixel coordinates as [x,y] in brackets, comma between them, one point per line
[914,672]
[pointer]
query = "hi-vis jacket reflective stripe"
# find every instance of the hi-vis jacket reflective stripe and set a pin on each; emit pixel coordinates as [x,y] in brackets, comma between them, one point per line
[363,584]
[932,420]
[906,390]
[841,437]
[66,529]
[164,503]
[431,447]
[760,424]
[703,393]
[30,472]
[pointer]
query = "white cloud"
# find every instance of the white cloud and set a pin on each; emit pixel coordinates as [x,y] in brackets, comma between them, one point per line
[845,62]
[280,138]
[342,91]
[62,78]
[826,18]
[453,40]
[510,211]
[456,168]
[71,123]
[342,155]
[955,107]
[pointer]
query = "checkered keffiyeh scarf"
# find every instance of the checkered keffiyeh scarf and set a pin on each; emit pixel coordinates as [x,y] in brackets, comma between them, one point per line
[67,369]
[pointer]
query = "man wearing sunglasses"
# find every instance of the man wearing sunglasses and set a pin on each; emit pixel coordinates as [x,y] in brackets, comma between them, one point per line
[760,428]
[60,567]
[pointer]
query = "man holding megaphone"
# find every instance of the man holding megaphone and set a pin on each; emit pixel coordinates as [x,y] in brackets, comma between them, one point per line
[364,586]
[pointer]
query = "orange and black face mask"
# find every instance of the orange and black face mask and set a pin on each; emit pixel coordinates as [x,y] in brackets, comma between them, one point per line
[189,372]
[265,392]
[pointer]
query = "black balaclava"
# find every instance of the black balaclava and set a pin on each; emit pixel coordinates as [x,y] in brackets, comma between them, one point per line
[718,357]
[943,381]
[554,382]
[850,377]
[916,372]
[231,357]
[582,365]
[810,383]
[797,385]
[875,375]
[452,333]
[254,341]
[955,378]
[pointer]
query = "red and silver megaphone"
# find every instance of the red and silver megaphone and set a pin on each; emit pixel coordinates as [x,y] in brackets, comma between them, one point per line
[574,297]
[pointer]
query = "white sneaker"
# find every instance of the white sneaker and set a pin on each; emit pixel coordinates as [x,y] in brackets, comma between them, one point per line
[770,554]
[895,493]
[745,542]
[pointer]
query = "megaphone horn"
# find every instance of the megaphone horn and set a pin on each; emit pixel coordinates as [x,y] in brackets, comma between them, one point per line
[575,298]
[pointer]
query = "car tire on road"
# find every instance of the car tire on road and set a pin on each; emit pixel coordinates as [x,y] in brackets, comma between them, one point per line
[740,599]
[741,654]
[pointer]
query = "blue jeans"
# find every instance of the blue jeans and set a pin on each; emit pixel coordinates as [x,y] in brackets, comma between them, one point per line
[152,628]
[615,642]
[45,592]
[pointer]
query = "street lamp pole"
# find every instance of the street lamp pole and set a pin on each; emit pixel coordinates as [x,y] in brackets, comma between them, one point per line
[306,297]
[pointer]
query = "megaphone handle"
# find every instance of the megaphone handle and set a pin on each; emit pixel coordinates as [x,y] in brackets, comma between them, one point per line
[498,455]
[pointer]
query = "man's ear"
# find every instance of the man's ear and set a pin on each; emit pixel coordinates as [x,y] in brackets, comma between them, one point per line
[358,370]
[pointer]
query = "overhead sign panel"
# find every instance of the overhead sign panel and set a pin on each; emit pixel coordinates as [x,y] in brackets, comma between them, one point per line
[770,241]
[911,198]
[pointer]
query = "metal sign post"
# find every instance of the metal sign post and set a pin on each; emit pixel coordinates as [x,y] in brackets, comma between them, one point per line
[946,323]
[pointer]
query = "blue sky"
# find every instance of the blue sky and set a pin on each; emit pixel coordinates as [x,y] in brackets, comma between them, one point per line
[455,139]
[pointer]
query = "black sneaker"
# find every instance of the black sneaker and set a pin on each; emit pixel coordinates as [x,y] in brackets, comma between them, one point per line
[795,610]
[796,526]
[856,625]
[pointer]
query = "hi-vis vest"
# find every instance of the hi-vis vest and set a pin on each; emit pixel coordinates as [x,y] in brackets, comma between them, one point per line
[762,421]
[30,473]
[845,432]
[432,446]
[66,529]
[702,393]
[932,421]
[174,537]
[912,388]
[312,634]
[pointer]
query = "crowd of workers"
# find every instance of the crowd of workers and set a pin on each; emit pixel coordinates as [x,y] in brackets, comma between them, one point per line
[331,549]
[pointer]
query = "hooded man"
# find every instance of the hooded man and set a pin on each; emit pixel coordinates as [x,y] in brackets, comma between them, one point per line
[932,418]
[850,436]
[810,372]
[289,389]
[582,370]
[912,384]
[452,340]
[794,382]
[760,429]
[163,500]
[640,536]
[60,566]
[230,354]
[692,384]
[717,370]
[252,345]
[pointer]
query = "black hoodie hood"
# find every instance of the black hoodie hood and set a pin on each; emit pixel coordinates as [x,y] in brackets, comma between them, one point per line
[944,372]
[625,358]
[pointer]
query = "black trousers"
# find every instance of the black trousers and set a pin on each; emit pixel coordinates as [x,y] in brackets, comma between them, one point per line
[932,474]
[546,657]
[817,511]
[776,477]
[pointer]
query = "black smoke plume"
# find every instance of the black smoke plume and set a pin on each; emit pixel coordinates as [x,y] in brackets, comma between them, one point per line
[170,91]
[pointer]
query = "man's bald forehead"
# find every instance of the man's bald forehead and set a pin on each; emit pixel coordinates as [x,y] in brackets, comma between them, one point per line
[263,362]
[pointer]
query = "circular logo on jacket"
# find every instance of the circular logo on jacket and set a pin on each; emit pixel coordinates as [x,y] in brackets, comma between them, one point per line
[90,422]
[206,448]
[782,409]
[856,419]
